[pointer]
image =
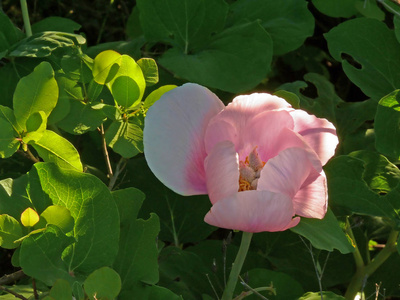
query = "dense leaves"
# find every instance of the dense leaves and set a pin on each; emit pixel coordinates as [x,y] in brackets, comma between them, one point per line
[81,209]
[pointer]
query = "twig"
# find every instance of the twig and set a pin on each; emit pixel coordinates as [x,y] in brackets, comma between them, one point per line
[105,152]
[12,292]
[34,289]
[120,167]
[28,154]
[10,278]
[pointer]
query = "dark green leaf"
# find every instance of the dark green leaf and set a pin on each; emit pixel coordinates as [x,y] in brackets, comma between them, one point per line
[56,24]
[137,256]
[387,125]
[81,118]
[236,59]
[182,218]
[189,25]
[336,9]
[9,34]
[357,44]
[276,280]
[288,22]
[325,234]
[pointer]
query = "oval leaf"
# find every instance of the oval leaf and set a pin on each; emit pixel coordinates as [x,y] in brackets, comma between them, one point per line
[10,231]
[29,217]
[104,283]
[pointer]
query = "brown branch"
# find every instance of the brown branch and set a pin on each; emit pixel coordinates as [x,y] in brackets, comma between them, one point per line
[105,152]
[13,293]
[10,278]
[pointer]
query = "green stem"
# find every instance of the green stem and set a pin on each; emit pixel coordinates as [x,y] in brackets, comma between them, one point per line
[363,272]
[25,17]
[237,266]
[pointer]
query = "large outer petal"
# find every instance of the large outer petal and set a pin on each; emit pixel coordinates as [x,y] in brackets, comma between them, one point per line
[234,119]
[173,137]
[253,211]
[222,171]
[311,201]
[287,172]
[319,133]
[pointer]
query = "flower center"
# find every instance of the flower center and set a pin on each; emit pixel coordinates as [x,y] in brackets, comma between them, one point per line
[250,171]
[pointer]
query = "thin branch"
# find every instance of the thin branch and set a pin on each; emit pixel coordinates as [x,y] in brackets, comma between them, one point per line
[10,278]
[120,167]
[105,152]
[12,292]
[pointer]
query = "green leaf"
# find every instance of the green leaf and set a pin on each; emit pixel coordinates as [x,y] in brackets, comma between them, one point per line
[103,283]
[56,24]
[155,95]
[77,67]
[96,228]
[40,255]
[380,174]
[349,193]
[368,65]
[42,44]
[7,114]
[387,128]
[36,92]
[150,70]
[290,97]
[29,217]
[237,59]
[188,25]
[81,118]
[317,296]
[277,280]
[35,127]
[105,66]
[56,215]
[137,256]
[288,22]
[9,34]
[189,268]
[53,147]
[125,91]
[18,194]
[325,234]
[182,218]
[10,231]
[337,8]
[125,138]
[8,144]
[61,290]
[150,292]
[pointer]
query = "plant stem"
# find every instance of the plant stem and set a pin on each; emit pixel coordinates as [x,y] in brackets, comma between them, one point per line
[105,152]
[16,295]
[237,266]
[364,271]
[25,17]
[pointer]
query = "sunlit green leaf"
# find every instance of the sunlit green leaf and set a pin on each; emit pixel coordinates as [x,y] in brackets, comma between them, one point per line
[54,148]
[56,215]
[36,92]
[29,217]
[155,95]
[10,231]
[150,70]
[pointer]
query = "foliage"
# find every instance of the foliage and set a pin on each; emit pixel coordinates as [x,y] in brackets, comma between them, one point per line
[82,215]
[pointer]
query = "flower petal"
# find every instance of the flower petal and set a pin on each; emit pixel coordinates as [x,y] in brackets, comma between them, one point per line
[222,171]
[253,211]
[173,137]
[235,117]
[319,133]
[287,172]
[312,200]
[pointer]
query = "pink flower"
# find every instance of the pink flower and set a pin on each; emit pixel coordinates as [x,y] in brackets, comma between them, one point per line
[259,160]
